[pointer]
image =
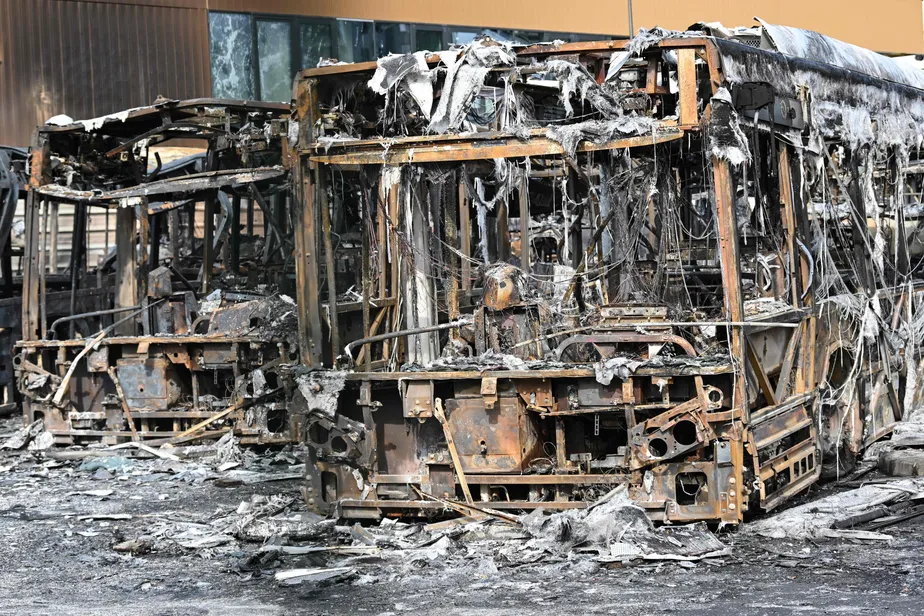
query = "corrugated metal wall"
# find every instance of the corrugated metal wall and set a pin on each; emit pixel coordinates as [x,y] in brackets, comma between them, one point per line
[86,58]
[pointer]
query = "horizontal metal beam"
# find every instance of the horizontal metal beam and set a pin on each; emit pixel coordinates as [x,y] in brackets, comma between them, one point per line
[462,150]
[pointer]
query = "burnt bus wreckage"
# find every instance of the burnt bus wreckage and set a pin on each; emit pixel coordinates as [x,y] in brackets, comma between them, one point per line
[689,263]
[186,332]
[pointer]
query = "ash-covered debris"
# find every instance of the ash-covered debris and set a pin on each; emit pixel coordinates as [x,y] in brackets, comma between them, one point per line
[726,139]
[615,529]
[274,316]
[619,367]
[321,390]
[848,515]
[575,80]
[570,136]
[465,75]
[34,436]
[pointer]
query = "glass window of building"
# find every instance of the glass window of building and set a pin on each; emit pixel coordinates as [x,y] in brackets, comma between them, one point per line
[463,37]
[429,39]
[231,51]
[274,55]
[392,38]
[356,41]
[316,43]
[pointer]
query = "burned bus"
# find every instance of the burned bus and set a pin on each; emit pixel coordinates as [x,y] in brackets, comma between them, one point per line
[179,315]
[688,264]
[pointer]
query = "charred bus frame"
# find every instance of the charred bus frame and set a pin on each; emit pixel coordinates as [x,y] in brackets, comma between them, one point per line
[148,361]
[747,335]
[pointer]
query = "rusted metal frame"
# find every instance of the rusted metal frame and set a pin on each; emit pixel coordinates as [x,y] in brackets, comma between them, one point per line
[397,505]
[762,379]
[714,63]
[88,346]
[71,318]
[798,419]
[563,373]
[800,196]
[453,452]
[540,480]
[651,76]
[54,208]
[141,265]
[123,401]
[160,130]
[468,509]
[860,231]
[306,269]
[270,220]
[381,240]
[400,334]
[686,78]
[523,194]
[395,264]
[448,140]
[135,340]
[236,234]
[503,231]
[144,242]
[595,238]
[465,235]
[42,267]
[701,394]
[450,215]
[563,49]
[789,221]
[125,292]
[173,106]
[366,267]
[208,254]
[510,147]
[326,232]
[376,323]
[792,348]
[625,337]
[561,445]
[731,275]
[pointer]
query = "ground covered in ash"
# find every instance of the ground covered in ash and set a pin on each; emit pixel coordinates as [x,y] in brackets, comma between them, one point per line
[225,532]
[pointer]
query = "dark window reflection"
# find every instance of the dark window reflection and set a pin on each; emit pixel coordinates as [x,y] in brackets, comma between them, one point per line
[355,41]
[392,38]
[429,40]
[316,43]
[274,44]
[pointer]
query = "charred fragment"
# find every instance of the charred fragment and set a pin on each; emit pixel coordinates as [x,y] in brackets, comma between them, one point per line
[550,270]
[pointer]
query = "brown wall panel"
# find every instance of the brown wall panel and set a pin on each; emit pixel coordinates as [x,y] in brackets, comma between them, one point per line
[890,26]
[89,58]
[893,26]
[582,16]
